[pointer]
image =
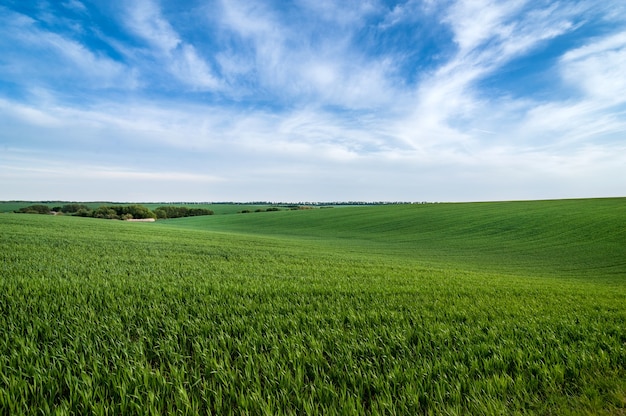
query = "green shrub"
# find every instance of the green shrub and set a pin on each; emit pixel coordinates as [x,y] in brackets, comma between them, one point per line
[74,208]
[34,209]
[169,211]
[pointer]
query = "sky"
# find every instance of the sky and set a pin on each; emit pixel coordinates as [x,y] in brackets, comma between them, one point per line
[312,100]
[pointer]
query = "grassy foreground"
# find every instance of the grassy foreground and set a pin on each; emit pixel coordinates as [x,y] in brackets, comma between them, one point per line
[495,308]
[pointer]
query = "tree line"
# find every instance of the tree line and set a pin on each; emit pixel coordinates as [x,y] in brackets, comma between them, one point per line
[117,212]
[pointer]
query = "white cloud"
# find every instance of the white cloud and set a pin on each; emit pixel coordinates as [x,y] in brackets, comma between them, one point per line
[28,114]
[145,19]
[53,175]
[263,38]
[33,168]
[476,21]
[108,72]
[75,5]
[299,62]
[594,114]
[489,34]
[402,12]
[124,174]
[344,13]
[180,57]
[598,69]
[562,146]
[66,59]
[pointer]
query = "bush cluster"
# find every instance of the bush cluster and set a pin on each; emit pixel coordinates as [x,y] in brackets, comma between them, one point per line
[117,212]
[165,212]
[34,209]
[123,212]
[270,209]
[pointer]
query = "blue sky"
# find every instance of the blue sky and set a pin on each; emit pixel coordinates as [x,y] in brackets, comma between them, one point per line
[312,100]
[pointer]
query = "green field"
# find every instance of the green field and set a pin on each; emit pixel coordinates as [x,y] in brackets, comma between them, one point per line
[478,308]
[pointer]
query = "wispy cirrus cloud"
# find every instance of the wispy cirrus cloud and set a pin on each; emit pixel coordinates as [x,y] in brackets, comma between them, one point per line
[75,5]
[292,59]
[596,69]
[450,102]
[67,62]
[181,58]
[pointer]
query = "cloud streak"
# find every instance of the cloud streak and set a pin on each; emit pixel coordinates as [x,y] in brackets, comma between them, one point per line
[181,58]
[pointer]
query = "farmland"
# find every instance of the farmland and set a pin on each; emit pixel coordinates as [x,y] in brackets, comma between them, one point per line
[482,308]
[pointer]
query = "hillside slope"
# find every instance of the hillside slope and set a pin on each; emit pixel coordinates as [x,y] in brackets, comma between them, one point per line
[565,237]
[357,311]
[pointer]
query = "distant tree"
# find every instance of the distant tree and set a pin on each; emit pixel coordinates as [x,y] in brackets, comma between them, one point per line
[84,212]
[179,212]
[161,213]
[74,208]
[34,209]
[194,212]
[138,212]
[105,212]
[123,212]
